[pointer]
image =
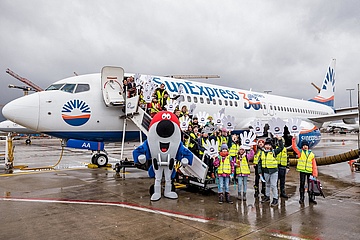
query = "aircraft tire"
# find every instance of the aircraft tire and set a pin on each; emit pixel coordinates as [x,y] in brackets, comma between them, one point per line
[100,159]
[27,141]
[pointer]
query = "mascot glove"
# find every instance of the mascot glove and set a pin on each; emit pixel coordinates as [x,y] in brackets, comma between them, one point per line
[218,119]
[258,127]
[228,122]
[142,159]
[294,126]
[192,109]
[171,105]
[202,118]
[276,127]
[211,147]
[247,139]
[185,162]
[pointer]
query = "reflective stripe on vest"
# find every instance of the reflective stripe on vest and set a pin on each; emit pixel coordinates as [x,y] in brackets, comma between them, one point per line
[224,166]
[242,167]
[268,160]
[304,163]
[282,157]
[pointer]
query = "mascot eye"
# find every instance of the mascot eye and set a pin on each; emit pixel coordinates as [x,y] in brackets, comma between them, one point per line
[168,116]
[164,116]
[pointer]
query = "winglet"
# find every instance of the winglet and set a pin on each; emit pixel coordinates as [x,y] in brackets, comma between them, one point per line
[326,95]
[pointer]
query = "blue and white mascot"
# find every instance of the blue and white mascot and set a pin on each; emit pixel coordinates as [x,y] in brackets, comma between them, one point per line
[163,148]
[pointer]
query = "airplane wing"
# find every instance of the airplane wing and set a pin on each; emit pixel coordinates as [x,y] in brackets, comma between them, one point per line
[334,117]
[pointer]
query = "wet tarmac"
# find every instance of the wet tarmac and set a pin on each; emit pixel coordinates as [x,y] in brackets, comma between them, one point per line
[75,202]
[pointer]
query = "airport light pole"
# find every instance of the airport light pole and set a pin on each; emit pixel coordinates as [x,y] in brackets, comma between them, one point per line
[350,89]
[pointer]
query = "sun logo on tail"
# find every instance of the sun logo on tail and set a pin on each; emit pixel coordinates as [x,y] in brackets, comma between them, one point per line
[329,80]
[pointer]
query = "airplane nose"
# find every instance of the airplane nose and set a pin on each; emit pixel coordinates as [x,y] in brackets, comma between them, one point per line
[23,111]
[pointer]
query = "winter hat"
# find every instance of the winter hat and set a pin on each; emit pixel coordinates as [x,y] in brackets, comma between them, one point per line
[304,142]
[224,146]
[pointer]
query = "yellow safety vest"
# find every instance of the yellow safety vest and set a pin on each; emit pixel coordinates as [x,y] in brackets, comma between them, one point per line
[304,163]
[268,160]
[234,149]
[257,156]
[282,157]
[154,108]
[221,140]
[224,166]
[242,167]
[202,144]
[191,141]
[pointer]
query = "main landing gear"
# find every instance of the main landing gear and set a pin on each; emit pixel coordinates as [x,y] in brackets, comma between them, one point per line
[100,159]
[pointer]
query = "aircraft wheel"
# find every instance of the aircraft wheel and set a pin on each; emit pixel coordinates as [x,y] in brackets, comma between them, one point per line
[151,190]
[27,141]
[100,159]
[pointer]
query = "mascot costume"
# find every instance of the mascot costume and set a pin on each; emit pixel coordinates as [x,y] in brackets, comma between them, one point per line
[163,147]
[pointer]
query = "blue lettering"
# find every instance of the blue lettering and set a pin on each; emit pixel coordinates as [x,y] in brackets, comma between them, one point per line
[185,88]
[230,95]
[223,93]
[157,80]
[191,88]
[201,88]
[217,94]
[171,89]
[210,92]
[236,96]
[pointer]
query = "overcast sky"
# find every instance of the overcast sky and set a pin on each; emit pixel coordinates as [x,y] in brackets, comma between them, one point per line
[280,46]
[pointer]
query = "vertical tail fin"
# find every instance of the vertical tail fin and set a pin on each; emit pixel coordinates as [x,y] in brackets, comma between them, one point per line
[326,95]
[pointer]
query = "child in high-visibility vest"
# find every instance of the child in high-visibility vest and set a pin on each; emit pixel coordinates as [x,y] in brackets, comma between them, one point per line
[242,170]
[225,168]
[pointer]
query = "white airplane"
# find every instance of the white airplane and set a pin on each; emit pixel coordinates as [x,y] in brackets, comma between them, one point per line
[8,126]
[344,126]
[87,110]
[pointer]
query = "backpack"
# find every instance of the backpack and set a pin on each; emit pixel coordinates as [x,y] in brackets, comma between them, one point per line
[315,188]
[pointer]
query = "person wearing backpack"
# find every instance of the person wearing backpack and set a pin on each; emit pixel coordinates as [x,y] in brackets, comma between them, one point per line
[306,165]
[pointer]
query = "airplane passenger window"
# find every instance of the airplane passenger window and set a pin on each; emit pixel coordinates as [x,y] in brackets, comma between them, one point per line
[235,104]
[271,107]
[188,98]
[220,102]
[264,106]
[230,103]
[195,100]
[282,109]
[201,100]
[214,101]
[54,87]
[208,100]
[225,102]
[68,88]
[82,88]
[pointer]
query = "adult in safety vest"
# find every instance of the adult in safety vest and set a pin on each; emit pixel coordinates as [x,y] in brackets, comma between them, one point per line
[269,166]
[242,170]
[306,165]
[283,165]
[260,149]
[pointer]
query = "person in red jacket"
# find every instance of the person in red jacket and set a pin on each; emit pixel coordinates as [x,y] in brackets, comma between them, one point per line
[306,165]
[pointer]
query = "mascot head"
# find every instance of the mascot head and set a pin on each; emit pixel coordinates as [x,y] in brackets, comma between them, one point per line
[164,134]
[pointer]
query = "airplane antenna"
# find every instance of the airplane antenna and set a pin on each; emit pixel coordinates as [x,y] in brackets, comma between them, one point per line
[316,87]
[76,74]
[182,76]
[24,80]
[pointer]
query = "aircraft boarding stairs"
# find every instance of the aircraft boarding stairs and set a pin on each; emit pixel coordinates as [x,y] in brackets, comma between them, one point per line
[197,171]
[114,96]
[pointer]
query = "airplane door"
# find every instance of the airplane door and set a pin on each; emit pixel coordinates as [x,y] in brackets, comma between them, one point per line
[271,109]
[112,86]
[265,108]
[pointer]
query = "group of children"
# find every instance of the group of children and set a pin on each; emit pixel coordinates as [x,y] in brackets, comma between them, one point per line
[270,160]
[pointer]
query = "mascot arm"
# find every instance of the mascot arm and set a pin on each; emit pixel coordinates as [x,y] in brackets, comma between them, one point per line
[184,155]
[142,153]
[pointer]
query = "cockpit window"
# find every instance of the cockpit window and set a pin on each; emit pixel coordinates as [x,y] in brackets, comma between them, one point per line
[68,88]
[54,87]
[82,88]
